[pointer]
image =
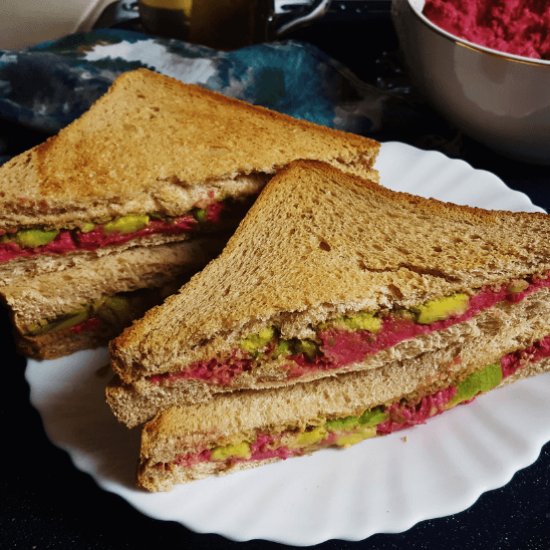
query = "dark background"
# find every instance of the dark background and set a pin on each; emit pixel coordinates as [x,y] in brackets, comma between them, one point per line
[47,503]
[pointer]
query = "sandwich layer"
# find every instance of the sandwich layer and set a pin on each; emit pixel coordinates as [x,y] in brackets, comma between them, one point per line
[346,340]
[320,246]
[59,312]
[491,333]
[208,215]
[92,326]
[174,451]
[146,144]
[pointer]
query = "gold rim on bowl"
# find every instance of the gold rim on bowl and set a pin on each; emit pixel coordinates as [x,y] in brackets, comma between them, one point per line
[477,47]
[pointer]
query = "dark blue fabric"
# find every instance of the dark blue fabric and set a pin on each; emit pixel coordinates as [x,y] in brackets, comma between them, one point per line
[47,86]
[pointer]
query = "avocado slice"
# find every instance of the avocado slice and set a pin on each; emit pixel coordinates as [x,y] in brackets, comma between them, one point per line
[362,320]
[343,424]
[237,450]
[67,321]
[311,437]
[127,224]
[441,308]
[373,417]
[368,419]
[253,343]
[31,238]
[87,227]
[114,309]
[309,348]
[282,348]
[345,440]
[478,382]
[200,214]
[517,286]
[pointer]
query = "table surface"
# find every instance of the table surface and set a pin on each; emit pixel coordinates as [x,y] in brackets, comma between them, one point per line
[47,503]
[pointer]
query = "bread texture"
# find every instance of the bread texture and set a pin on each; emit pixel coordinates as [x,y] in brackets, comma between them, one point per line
[178,431]
[430,359]
[154,144]
[319,243]
[158,270]
[51,294]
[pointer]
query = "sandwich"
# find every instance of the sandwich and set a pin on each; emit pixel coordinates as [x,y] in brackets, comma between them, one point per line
[56,313]
[153,162]
[331,275]
[242,430]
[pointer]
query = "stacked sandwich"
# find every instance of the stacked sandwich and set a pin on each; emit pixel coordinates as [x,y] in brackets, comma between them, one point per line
[338,311]
[105,219]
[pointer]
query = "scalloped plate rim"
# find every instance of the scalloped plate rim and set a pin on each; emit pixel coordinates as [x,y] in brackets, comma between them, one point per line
[393,523]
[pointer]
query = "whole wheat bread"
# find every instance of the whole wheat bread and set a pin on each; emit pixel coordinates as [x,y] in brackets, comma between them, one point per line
[154,144]
[320,243]
[237,417]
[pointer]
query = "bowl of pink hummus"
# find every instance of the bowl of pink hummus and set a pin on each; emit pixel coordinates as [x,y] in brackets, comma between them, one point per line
[485,65]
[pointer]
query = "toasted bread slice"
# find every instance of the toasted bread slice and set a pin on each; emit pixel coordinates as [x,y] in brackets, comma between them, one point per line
[318,244]
[153,144]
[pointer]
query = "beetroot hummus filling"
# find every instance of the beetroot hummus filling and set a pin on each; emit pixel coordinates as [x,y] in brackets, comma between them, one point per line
[350,430]
[520,27]
[68,241]
[339,348]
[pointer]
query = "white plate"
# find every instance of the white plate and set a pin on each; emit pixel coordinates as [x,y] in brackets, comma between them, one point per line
[382,485]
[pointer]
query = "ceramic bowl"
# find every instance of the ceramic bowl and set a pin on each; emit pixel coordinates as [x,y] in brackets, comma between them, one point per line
[499,99]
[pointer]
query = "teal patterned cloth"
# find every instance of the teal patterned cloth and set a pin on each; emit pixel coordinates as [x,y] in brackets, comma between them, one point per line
[45,87]
[48,85]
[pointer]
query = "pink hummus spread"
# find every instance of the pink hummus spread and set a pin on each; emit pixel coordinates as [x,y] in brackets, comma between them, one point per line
[341,348]
[404,416]
[520,27]
[71,241]
[401,415]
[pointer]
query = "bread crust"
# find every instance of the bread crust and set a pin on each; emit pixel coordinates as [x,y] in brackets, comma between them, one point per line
[149,143]
[319,242]
[491,334]
[47,295]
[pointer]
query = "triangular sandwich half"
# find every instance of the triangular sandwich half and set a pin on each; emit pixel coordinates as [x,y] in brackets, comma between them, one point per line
[241,430]
[328,274]
[152,161]
[92,300]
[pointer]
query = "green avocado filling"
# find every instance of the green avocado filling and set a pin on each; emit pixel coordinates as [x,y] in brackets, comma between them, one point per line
[311,437]
[200,214]
[111,309]
[268,339]
[87,227]
[342,431]
[253,343]
[349,430]
[441,308]
[30,238]
[363,320]
[127,224]
[239,450]
[478,382]
[257,342]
